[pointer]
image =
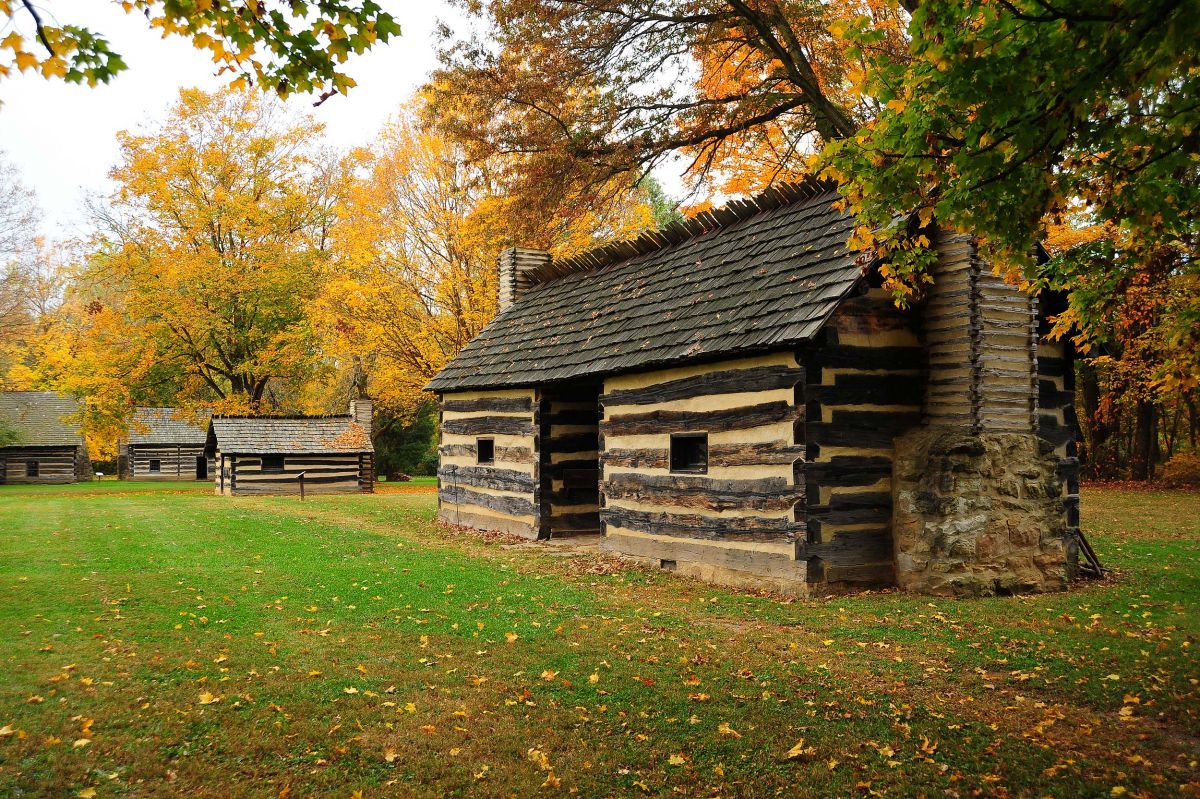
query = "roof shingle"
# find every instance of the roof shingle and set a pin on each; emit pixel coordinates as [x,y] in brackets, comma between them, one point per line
[287,435]
[39,418]
[761,282]
[164,426]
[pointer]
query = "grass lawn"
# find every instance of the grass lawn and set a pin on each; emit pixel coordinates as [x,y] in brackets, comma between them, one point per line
[162,641]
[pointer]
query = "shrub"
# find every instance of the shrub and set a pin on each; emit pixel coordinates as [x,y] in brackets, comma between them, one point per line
[1182,470]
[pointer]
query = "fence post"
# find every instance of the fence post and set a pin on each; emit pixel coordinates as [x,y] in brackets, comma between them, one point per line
[300,477]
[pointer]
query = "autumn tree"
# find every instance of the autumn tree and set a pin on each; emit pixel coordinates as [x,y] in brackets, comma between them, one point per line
[415,278]
[292,46]
[1007,115]
[27,279]
[1138,379]
[211,249]
[584,90]
[990,117]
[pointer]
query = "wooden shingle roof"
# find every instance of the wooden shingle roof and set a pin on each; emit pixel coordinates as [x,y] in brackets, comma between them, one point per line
[273,435]
[163,426]
[752,277]
[39,418]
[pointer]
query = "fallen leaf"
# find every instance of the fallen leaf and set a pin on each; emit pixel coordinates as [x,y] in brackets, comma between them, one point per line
[207,698]
[800,750]
[538,758]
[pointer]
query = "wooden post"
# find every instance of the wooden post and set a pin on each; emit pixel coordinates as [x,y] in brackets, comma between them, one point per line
[300,478]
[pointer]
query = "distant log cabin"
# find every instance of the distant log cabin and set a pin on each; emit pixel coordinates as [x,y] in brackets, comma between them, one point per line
[39,440]
[732,396]
[275,454]
[162,445]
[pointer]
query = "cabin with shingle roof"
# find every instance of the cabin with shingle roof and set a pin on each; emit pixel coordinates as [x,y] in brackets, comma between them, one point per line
[40,441]
[163,444]
[280,454]
[737,398]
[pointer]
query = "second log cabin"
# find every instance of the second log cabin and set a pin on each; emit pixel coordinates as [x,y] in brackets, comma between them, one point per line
[163,444]
[279,454]
[737,398]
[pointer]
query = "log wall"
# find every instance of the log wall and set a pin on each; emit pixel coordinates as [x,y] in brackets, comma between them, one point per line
[569,460]
[502,495]
[55,465]
[982,345]
[740,521]
[324,473]
[865,386]
[1057,424]
[176,462]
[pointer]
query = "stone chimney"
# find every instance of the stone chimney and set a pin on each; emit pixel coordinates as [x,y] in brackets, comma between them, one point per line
[977,502]
[361,411]
[514,265]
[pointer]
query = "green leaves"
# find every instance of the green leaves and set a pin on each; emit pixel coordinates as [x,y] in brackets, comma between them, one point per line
[295,46]
[1003,116]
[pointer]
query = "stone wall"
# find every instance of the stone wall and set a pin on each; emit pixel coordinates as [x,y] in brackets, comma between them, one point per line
[978,515]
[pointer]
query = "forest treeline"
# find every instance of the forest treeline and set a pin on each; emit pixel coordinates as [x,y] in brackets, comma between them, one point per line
[242,264]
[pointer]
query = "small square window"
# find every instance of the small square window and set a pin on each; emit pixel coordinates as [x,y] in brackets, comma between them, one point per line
[485,448]
[689,452]
[272,463]
[155,466]
[31,468]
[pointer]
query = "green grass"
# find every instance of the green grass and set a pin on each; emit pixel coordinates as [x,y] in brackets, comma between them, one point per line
[218,646]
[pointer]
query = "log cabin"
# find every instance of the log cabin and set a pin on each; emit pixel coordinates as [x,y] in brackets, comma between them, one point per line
[736,398]
[40,441]
[279,454]
[164,445]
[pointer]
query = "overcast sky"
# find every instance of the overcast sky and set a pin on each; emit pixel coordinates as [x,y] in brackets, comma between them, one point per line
[62,137]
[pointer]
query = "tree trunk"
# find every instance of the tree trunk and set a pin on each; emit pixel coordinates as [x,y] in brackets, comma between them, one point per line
[1095,442]
[1145,438]
[1193,423]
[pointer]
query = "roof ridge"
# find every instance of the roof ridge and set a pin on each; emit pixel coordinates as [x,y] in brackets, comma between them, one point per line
[732,212]
[287,416]
[171,408]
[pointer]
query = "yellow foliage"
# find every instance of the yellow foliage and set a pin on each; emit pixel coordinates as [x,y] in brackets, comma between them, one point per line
[414,277]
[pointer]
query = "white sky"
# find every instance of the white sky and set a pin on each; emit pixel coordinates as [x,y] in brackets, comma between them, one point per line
[62,136]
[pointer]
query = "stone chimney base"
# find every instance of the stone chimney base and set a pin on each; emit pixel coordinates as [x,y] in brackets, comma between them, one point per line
[978,514]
